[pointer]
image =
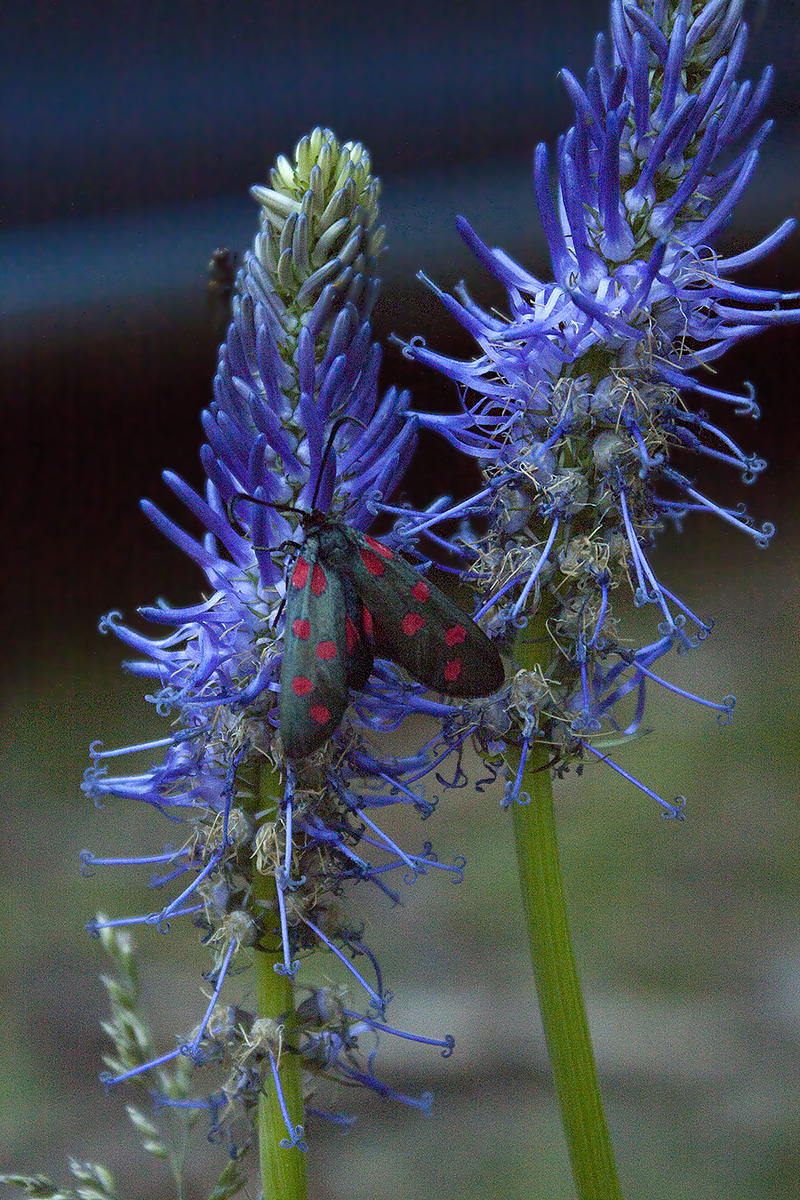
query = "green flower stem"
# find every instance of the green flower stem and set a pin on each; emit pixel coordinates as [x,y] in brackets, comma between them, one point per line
[560,999]
[283,1171]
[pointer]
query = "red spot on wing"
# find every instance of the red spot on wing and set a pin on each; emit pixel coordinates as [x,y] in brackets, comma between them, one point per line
[412,623]
[372,562]
[421,591]
[452,670]
[351,634]
[319,580]
[301,629]
[320,714]
[384,551]
[326,650]
[300,573]
[366,621]
[301,685]
[455,635]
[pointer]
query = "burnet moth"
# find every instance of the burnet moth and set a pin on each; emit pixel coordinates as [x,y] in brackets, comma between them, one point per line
[350,599]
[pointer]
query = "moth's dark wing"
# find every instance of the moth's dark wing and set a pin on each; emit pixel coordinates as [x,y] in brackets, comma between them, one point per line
[314,671]
[417,626]
[358,641]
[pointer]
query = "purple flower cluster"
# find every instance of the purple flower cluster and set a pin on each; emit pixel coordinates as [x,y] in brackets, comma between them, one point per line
[578,404]
[298,358]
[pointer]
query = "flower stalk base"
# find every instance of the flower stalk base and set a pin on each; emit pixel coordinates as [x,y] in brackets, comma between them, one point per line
[283,1169]
[558,988]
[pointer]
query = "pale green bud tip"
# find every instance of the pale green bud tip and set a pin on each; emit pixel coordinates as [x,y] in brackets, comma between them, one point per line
[318,215]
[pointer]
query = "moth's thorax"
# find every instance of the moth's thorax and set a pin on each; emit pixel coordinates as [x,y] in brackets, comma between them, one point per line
[335,544]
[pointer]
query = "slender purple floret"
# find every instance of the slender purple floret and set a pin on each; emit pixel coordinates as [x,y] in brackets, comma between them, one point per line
[581,407]
[298,358]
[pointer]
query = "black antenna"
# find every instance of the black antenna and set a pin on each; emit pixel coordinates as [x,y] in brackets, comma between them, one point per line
[237,496]
[328,447]
[290,508]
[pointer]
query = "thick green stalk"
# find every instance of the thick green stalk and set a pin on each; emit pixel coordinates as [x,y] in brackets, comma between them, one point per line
[283,1171]
[561,1003]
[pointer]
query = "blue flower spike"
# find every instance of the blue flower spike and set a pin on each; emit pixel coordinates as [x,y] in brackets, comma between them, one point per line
[260,848]
[582,410]
[582,405]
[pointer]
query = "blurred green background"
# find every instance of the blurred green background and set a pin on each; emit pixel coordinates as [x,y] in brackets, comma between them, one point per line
[688,934]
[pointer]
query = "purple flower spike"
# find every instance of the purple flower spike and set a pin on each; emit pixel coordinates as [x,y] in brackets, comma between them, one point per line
[579,399]
[296,420]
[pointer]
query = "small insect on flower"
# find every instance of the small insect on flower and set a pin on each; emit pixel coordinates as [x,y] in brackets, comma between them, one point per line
[220,289]
[350,598]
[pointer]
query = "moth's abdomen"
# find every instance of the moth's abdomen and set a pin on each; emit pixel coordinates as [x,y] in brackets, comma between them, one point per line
[313,681]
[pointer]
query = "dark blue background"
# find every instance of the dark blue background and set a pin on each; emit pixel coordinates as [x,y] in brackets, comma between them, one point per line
[132,135]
